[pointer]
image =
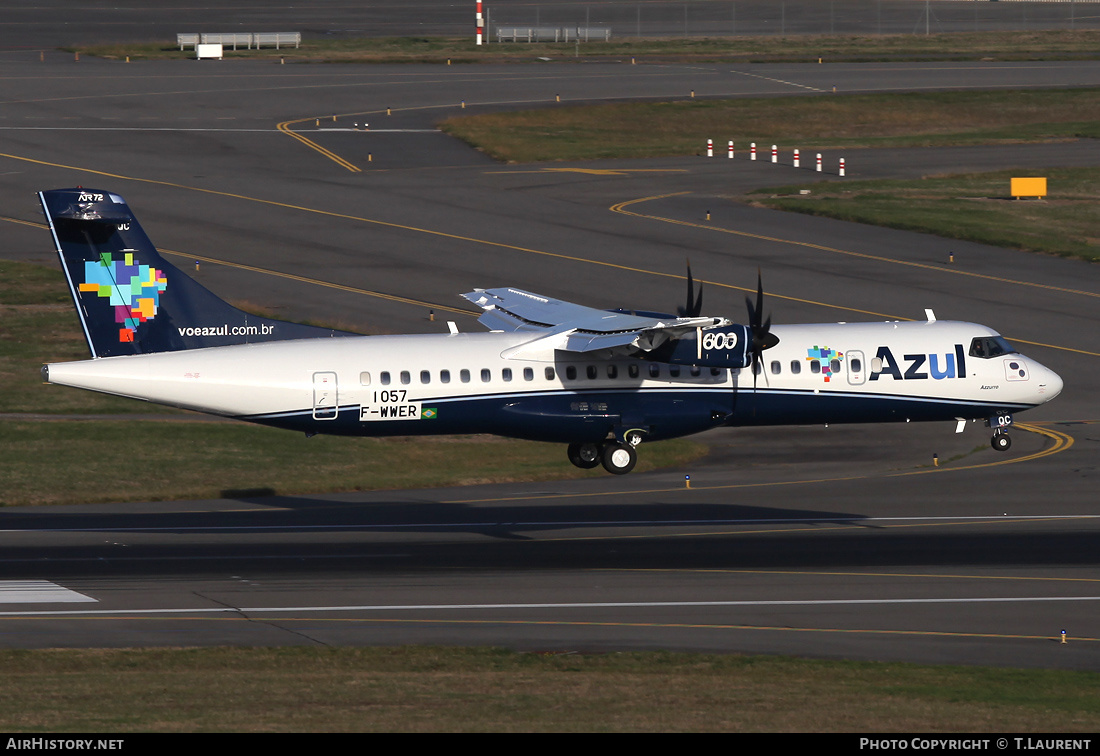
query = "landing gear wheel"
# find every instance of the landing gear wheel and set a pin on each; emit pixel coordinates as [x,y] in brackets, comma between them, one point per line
[1001,442]
[618,459]
[584,456]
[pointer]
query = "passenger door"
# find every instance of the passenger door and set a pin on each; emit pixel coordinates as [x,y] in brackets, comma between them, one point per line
[326,398]
[857,368]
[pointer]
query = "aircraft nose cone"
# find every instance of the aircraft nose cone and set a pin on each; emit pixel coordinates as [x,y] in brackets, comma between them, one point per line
[1055,384]
[1051,384]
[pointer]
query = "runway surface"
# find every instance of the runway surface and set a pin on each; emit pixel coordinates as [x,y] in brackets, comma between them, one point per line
[828,542]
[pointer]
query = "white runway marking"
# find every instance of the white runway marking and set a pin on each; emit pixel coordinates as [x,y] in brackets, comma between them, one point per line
[385,131]
[579,605]
[38,592]
[777,81]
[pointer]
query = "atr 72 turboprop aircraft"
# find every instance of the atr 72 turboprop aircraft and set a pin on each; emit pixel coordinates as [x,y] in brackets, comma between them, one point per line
[601,381]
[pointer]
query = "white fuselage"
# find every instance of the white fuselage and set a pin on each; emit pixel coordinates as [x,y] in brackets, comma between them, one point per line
[383,385]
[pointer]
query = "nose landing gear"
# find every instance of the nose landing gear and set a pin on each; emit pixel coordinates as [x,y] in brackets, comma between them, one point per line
[1000,425]
[617,457]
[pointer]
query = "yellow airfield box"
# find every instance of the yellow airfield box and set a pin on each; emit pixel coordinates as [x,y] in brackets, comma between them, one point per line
[1029,187]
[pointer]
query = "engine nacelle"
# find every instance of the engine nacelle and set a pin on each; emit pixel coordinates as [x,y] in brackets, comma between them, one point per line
[721,346]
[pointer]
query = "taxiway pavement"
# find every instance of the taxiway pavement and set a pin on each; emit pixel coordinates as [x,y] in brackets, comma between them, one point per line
[835,542]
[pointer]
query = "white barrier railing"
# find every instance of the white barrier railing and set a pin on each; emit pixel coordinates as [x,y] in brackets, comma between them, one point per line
[235,40]
[552,33]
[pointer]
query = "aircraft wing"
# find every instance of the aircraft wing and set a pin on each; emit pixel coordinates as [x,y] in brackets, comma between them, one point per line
[576,328]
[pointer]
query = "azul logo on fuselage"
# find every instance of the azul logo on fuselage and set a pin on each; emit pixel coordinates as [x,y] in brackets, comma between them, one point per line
[919,366]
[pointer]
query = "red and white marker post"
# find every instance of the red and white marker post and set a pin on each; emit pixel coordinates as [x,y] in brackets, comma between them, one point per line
[480,23]
[842,166]
[796,160]
[819,162]
[775,154]
[710,148]
[752,151]
[731,150]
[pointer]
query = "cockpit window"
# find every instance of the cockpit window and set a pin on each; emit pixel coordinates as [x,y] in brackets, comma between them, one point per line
[985,347]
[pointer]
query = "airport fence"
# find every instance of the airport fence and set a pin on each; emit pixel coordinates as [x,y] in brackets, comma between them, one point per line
[721,18]
[246,41]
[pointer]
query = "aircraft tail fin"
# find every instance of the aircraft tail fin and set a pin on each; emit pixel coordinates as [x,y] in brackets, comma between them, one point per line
[131,300]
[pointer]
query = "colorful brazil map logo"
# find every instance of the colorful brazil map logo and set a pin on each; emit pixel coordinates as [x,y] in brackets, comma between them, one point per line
[824,356]
[133,290]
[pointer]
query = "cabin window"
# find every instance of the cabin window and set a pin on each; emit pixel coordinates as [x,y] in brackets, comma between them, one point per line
[696,371]
[876,365]
[632,370]
[486,375]
[425,376]
[757,368]
[815,366]
[674,371]
[385,378]
[528,374]
[571,372]
[834,366]
[444,376]
[549,373]
[506,374]
[716,372]
[612,371]
[856,364]
[364,379]
[406,379]
[777,367]
[464,376]
[591,372]
[796,367]
[654,371]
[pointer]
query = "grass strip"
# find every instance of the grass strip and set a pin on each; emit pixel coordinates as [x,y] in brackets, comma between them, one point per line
[38,325]
[973,207]
[1001,45]
[669,129]
[104,461]
[306,689]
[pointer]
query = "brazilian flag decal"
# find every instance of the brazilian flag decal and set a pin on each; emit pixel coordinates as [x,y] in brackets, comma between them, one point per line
[429,413]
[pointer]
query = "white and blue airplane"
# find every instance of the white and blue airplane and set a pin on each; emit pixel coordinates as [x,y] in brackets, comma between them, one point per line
[601,381]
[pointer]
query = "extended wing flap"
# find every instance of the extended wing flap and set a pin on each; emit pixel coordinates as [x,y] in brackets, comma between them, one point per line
[580,341]
[500,320]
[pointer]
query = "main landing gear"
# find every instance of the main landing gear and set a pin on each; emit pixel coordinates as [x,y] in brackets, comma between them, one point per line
[616,457]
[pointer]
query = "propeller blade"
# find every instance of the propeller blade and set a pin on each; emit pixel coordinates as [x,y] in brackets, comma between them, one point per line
[694,306]
[759,292]
[762,337]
